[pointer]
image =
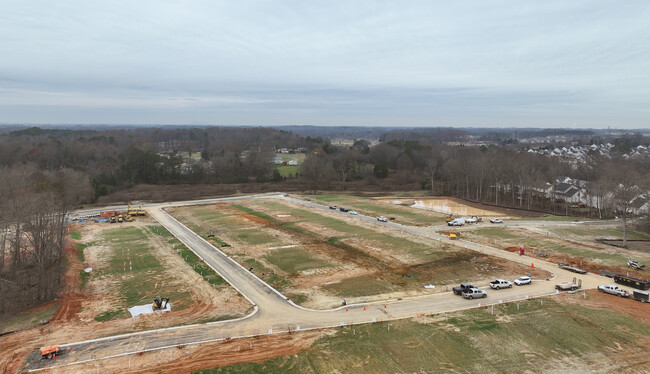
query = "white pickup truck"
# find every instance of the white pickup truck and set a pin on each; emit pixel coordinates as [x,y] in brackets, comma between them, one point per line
[500,283]
[614,290]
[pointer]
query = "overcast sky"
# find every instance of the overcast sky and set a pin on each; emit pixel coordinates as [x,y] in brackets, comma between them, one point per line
[412,63]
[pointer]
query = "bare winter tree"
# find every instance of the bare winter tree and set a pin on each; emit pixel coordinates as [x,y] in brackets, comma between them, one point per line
[624,183]
[317,169]
[33,209]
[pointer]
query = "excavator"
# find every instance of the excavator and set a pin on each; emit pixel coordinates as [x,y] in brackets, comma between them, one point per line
[130,211]
[449,218]
[478,219]
[141,211]
[160,302]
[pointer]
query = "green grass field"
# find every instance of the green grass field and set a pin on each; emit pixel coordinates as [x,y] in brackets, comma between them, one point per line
[286,170]
[227,226]
[511,341]
[598,231]
[294,260]
[373,207]
[349,231]
[75,235]
[28,319]
[137,271]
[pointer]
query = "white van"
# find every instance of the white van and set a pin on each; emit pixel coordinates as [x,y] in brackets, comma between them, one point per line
[456,222]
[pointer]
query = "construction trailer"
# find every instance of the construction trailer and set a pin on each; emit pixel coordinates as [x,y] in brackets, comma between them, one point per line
[641,296]
[633,282]
[569,286]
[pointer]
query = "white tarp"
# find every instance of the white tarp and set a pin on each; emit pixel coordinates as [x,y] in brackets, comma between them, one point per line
[147,309]
[429,286]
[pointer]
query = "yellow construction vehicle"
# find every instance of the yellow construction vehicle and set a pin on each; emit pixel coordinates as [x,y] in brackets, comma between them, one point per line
[119,218]
[160,303]
[113,219]
[130,210]
[128,218]
[449,218]
[141,211]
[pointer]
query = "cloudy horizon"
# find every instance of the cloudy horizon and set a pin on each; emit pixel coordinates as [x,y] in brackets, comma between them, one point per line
[579,64]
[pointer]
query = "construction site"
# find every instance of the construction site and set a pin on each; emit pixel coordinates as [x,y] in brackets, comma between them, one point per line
[283,283]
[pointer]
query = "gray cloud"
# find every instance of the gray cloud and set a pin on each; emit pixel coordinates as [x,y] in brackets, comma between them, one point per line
[504,63]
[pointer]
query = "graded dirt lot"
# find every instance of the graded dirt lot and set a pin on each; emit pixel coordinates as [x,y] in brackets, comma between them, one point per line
[573,244]
[317,258]
[569,333]
[131,264]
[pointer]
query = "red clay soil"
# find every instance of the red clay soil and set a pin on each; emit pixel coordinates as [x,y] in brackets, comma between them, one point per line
[216,354]
[70,298]
[584,264]
[70,301]
[255,218]
[603,301]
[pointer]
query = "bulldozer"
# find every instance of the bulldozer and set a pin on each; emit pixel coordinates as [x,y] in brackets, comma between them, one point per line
[160,302]
[113,219]
[119,218]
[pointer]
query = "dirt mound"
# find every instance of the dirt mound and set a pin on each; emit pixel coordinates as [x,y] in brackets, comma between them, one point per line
[591,266]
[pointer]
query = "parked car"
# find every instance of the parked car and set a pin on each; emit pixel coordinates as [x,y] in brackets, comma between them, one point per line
[500,283]
[474,293]
[382,219]
[614,290]
[353,212]
[342,209]
[333,207]
[496,220]
[522,281]
[462,288]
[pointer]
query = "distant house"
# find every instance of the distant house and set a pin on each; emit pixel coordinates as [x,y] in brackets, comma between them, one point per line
[292,162]
[640,204]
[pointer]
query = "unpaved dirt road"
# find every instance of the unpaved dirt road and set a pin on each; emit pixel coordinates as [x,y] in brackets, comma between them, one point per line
[275,314]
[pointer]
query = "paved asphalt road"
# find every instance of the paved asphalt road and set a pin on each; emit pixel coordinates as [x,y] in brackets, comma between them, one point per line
[273,313]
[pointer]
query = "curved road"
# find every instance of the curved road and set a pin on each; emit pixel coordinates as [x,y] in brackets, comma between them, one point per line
[274,313]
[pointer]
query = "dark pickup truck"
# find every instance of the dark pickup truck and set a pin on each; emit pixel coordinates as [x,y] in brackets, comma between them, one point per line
[462,288]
